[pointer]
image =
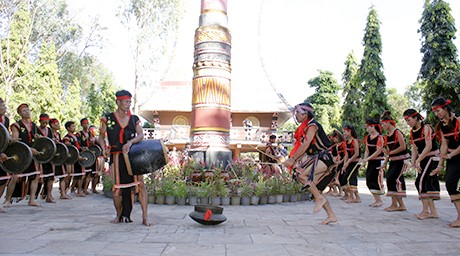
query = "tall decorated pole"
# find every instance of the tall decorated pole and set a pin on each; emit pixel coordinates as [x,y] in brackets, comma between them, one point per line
[210,124]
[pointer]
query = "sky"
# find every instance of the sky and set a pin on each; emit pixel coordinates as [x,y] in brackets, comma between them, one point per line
[299,38]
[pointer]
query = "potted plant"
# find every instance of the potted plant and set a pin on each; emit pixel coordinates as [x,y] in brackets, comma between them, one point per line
[108,184]
[203,192]
[271,190]
[181,192]
[234,192]
[246,192]
[168,187]
[261,190]
[159,191]
[192,194]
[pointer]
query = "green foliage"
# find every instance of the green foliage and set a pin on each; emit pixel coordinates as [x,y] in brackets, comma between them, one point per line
[352,107]
[325,100]
[440,71]
[370,72]
[46,89]
[400,104]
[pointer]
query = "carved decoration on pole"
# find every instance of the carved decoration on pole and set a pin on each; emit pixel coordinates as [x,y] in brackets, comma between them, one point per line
[210,124]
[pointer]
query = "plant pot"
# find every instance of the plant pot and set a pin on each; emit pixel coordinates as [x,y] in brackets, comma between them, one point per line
[255,200]
[304,196]
[192,200]
[108,193]
[298,197]
[271,199]
[181,200]
[215,200]
[236,200]
[160,199]
[203,200]
[279,199]
[286,198]
[151,199]
[225,200]
[263,200]
[170,200]
[293,198]
[245,200]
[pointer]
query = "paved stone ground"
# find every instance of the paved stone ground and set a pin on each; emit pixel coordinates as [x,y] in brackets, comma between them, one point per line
[82,227]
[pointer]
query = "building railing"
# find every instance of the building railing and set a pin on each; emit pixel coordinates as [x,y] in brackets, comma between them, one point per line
[181,134]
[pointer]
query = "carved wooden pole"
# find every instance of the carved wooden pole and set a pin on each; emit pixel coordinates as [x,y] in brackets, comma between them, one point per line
[210,124]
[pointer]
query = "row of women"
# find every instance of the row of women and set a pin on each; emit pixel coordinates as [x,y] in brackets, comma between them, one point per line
[41,176]
[312,166]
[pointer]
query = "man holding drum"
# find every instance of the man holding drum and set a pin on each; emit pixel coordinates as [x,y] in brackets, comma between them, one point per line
[310,160]
[24,130]
[123,130]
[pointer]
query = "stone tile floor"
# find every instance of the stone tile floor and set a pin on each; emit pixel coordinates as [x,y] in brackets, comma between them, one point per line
[82,227]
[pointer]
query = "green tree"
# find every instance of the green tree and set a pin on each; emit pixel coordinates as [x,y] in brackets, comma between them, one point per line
[352,108]
[16,70]
[47,90]
[439,73]
[371,70]
[73,103]
[325,100]
[400,103]
[153,27]
[101,98]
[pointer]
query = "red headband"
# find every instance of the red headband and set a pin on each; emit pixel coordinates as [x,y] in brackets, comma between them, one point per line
[23,105]
[84,121]
[442,106]
[414,114]
[124,97]
[389,121]
[44,118]
[55,121]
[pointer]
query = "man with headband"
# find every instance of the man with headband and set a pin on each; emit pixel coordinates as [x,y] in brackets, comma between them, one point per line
[24,130]
[310,160]
[123,130]
[47,173]
[86,140]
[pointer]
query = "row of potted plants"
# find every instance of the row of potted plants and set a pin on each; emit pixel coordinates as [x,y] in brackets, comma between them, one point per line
[239,184]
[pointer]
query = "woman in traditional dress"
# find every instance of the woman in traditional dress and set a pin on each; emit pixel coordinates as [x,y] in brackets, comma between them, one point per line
[373,156]
[395,151]
[448,129]
[337,151]
[351,164]
[424,159]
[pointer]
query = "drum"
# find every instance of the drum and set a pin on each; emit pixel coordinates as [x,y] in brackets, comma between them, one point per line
[19,158]
[148,156]
[61,154]
[72,157]
[96,150]
[46,149]
[88,158]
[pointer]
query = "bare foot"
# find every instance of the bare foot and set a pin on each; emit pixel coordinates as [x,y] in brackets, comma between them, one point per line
[86,193]
[33,203]
[146,222]
[391,209]
[421,216]
[7,204]
[116,220]
[376,204]
[65,197]
[433,216]
[50,201]
[80,194]
[344,198]
[328,220]
[319,202]
[455,224]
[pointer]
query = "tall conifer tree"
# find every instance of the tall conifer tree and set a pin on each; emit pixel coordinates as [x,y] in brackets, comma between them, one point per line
[440,71]
[371,70]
